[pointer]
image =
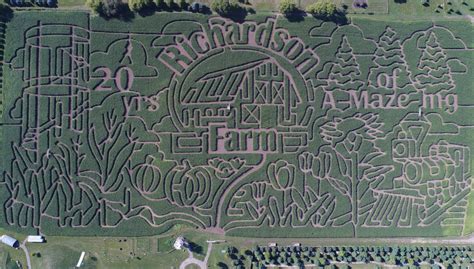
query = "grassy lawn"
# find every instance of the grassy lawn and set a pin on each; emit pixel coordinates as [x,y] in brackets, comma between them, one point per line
[106,252]
[13,254]
[218,253]
[71,3]
[469,223]
[435,7]
[8,257]
[148,252]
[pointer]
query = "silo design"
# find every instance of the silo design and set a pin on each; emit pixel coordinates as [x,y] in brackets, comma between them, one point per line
[55,65]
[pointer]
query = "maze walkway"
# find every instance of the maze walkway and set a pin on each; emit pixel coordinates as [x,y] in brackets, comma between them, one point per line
[250,129]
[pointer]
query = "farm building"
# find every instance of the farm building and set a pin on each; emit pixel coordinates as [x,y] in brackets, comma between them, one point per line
[9,241]
[81,259]
[180,243]
[35,239]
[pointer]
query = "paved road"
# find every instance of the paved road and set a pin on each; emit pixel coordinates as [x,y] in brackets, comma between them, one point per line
[192,260]
[28,261]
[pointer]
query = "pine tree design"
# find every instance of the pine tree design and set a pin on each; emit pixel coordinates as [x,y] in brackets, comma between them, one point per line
[435,74]
[390,60]
[344,73]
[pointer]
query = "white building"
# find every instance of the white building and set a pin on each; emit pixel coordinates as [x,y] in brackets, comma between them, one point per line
[9,241]
[180,243]
[81,259]
[35,239]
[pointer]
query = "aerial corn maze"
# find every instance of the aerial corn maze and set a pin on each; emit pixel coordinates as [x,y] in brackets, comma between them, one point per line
[260,128]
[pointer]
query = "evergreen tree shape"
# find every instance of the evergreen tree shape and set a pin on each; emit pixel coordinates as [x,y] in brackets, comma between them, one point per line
[344,73]
[435,73]
[388,58]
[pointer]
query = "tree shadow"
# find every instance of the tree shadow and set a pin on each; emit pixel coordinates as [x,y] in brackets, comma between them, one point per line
[196,7]
[52,4]
[238,14]
[122,13]
[148,11]
[296,16]
[47,4]
[193,247]
[6,13]
[171,7]
[338,18]
[222,265]
[24,4]
[205,10]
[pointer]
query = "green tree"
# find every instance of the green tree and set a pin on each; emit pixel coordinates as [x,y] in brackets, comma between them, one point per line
[94,5]
[267,255]
[222,265]
[139,5]
[224,7]
[111,8]
[322,8]
[183,4]
[172,5]
[160,4]
[392,260]
[287,7]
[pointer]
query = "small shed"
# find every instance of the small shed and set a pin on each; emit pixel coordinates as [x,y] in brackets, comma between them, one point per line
[9,241]
[180,243]
[35,239]
[81,259]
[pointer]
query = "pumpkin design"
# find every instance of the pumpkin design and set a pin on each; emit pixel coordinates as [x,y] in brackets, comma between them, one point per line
[146,176]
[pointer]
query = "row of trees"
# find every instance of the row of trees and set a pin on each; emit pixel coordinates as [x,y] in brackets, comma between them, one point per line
[225,8]
[321,9]
[40,3]
[342,257]
[115,8]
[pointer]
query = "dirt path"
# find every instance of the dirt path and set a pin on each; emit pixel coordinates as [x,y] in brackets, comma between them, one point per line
[192,260]
[230,188]
[28,261]
[385,265]
[467,240]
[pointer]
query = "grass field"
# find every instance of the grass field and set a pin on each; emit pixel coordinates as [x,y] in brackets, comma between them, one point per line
[299,129]
[8,255]
[386,7]
[469,228]
[101,252]
[71,3]
[104,252]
